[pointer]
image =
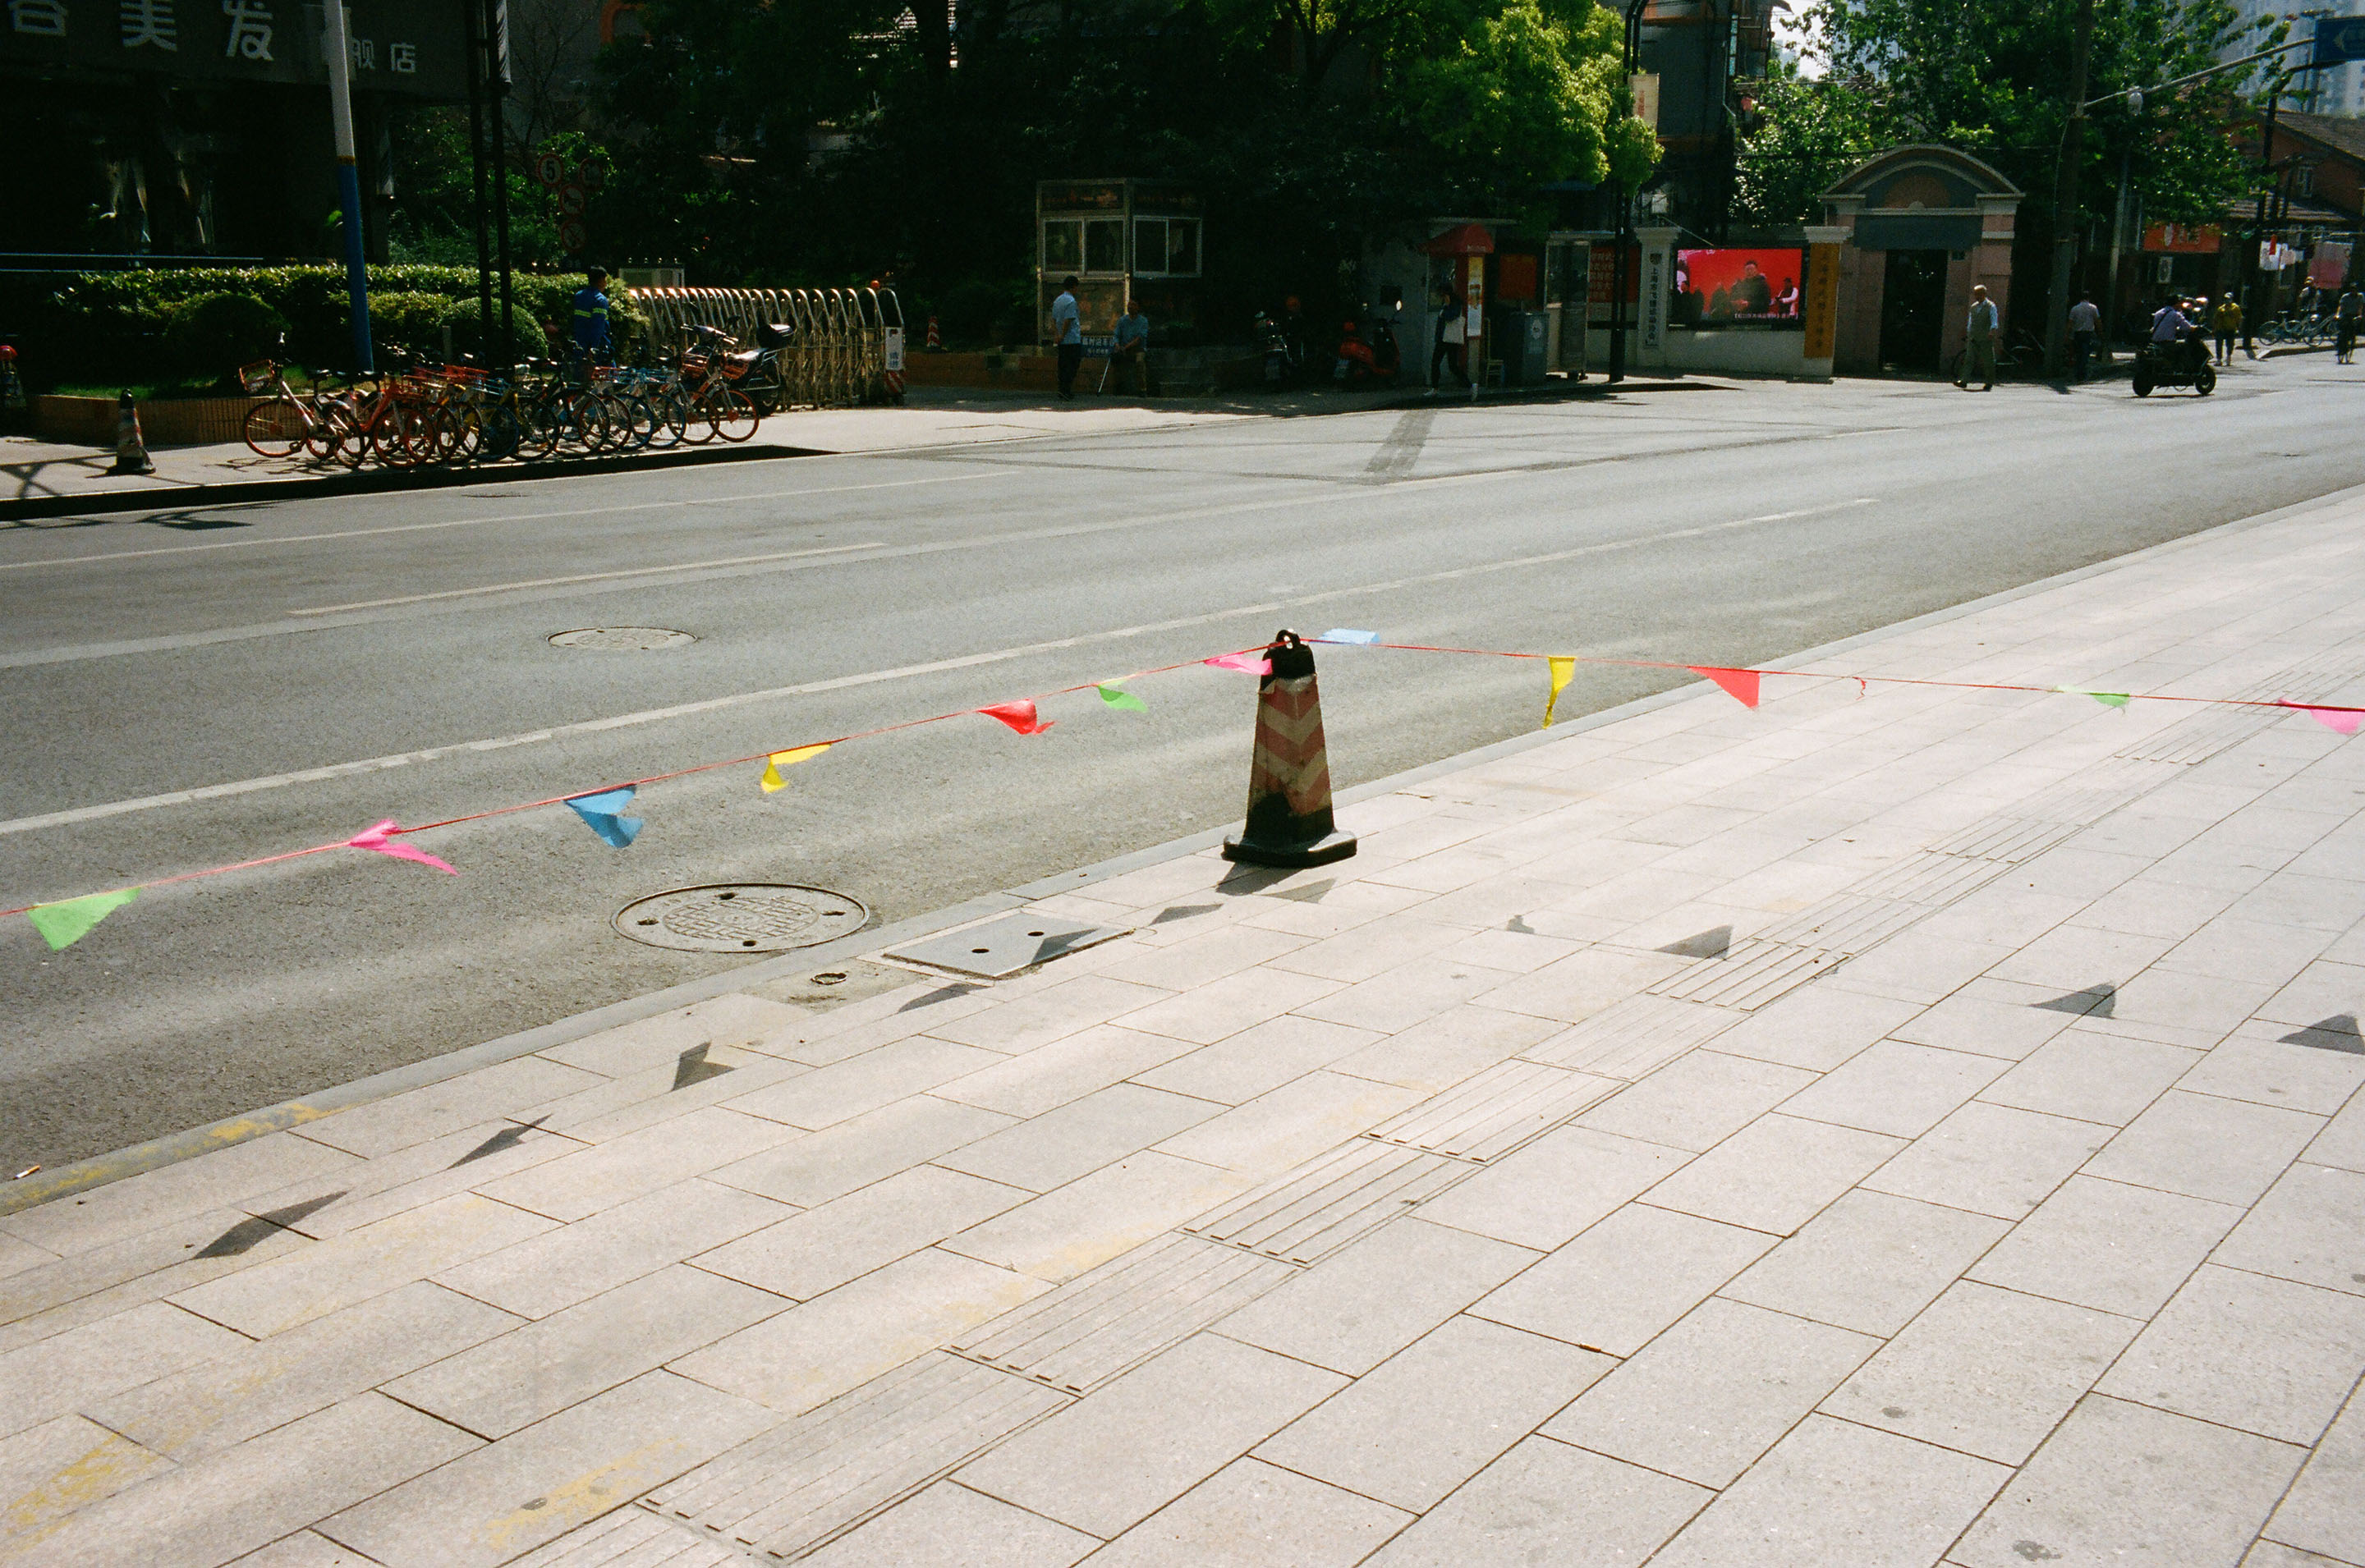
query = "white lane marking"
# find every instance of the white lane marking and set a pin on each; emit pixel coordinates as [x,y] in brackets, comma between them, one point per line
[506,516]
[870,677]
[591,577]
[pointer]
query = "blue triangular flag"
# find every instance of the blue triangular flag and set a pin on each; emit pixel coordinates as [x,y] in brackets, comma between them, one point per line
[599,813]
[1346,634]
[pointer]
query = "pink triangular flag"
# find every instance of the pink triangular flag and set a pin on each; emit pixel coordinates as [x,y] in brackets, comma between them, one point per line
[2342,720]
[1019,716]
[1741,683]
[375,839]
[1246,664]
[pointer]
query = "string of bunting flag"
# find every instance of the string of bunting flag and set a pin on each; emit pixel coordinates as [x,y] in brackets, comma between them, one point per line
[65,921]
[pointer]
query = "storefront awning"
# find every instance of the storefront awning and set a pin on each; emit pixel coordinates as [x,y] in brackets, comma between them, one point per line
[1462,240]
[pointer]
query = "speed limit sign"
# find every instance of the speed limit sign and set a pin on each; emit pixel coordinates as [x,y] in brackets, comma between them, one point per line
[550,169]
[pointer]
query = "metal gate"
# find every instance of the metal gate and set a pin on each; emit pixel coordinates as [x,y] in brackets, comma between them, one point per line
[839,358]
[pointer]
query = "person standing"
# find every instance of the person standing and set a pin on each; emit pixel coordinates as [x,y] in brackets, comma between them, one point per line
[1068,336]
[2085,328]
[1979,341]
[2226,322]
[2347,318]
[592,342]
[1130,352]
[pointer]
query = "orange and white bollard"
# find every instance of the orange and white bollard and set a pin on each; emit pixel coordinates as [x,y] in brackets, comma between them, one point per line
[935,343]
[1289,818]
[130,451]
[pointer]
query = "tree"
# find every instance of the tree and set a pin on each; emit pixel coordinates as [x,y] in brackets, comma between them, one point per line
[1808,133]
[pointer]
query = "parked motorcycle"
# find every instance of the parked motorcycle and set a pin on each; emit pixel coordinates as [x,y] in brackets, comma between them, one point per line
[2183,364]
[1284,356]
[1367,357]
[761,373]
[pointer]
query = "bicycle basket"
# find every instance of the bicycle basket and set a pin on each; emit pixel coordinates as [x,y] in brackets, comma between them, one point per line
[257,377]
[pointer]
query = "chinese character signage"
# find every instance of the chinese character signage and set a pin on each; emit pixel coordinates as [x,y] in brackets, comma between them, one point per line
[2183,239]
[394,46]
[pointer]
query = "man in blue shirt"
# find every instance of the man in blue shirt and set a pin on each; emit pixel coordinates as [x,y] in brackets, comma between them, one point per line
[1979,340]
[1068,336]
[591,340]
[1131,351]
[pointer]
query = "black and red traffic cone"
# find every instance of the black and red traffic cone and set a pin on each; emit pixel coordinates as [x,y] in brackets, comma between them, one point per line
[1289,820]
[131,450]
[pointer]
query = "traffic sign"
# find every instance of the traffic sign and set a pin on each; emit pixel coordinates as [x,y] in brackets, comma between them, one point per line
[2339,40]
[573,200]
[591,176]
[550,169]
[573,236]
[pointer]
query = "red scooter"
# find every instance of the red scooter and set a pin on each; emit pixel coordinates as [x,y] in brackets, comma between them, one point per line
[1365,361]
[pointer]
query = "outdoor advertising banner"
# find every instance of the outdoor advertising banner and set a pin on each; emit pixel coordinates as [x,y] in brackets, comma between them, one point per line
[1723,288]
[411,49]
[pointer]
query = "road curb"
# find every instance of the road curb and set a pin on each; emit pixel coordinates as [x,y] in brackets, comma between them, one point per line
[100,1170]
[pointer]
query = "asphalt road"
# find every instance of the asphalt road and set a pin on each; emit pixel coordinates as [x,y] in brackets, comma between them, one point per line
[143,656]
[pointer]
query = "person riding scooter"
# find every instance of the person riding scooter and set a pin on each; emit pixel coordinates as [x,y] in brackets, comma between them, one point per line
[2175,337]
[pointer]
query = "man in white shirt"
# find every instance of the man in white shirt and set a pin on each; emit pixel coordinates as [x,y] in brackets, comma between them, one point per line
[1979,341]
[2085,327]
[1068,336]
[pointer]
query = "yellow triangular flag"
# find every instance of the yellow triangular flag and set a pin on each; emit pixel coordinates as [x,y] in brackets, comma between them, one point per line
[780,759]
[1563,672]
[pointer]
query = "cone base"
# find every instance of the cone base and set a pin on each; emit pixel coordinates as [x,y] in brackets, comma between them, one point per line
[1310,852]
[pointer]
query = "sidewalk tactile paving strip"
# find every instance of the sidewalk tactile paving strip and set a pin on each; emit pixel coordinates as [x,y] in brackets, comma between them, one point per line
[1754,973]
[1330,1201]
[1497,1110]
[1847,922]
[1097,1325]
[2007,839]
[1632,1038]
[794,1489]
[1930,880]
[633,1537]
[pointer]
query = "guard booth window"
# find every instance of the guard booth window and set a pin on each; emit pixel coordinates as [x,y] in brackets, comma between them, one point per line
[1064,246]
[1104,245]
[1167,247]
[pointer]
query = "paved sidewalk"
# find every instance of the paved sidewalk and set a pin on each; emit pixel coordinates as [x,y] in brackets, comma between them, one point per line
[1888,1130]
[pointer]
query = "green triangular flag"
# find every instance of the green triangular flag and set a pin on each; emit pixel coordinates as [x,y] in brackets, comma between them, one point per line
[1118,697]
[64,924]
[2107,698]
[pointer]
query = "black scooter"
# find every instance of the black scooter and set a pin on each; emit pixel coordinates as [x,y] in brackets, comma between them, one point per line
[2184,363]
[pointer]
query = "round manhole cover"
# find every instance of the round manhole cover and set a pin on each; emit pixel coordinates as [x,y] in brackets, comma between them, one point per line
[622,639]
[741,917]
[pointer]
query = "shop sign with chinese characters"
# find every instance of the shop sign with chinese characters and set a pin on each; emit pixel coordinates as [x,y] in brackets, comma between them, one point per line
[394,46]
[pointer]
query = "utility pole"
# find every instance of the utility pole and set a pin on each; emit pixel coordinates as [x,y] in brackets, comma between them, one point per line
[2118,243]
[2065,195]
[2258,216]
[475,52]
[496,78]
[349,186]
[1625,242]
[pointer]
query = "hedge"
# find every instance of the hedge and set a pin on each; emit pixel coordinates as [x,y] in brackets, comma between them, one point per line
[150,327]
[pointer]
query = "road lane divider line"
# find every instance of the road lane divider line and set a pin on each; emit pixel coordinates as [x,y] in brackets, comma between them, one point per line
[592,578]
[868,677]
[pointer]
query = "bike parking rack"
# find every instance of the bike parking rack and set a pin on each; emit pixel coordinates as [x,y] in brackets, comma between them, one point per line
[838,358]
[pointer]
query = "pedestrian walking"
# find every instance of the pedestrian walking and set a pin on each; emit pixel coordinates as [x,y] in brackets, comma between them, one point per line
[591,340]
[2345,320]
[2085,328]
[1129,354]
[1979,341]
[1068,336]
[2226,322]
[1447,353]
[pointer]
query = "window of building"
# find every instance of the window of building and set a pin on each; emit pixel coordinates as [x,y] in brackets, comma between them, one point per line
[1104,245]
[1166,246]
[1063,245]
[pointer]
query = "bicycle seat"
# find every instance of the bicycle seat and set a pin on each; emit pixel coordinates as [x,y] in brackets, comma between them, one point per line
[774,334]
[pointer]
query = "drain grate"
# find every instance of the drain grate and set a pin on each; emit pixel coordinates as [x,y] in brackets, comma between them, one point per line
[622,639]
[741,917]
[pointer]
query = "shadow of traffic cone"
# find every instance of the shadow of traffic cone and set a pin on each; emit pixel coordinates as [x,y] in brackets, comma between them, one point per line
[130,451]
[1289,821]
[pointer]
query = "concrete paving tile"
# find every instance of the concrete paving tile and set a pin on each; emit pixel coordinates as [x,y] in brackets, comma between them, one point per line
[505,1498]
[1697,1100]
[2121,1483]
[860,1029]
[1545,1503]
[2168,993]
[948,1526]
[269,1383]
[1405,996]
[1774,1174]
[2204,1147]
[2266,1554]
[1224,1007]
[1450,870]
[724,1021]
[409,1178]
[1833,1493]
[1372,949]
[510,1382]
[2324,1510]
[580,1185]
[1986,1024]
[1206,958]
[1086,1223]
[1439,1052]
[1984,1370]
[1056,1148]
[1491,904]
[1540,1195]
[245,1496]
[49,1471]
[2248,1351]
[384,1126]
[844,1090]
[1050,1076]
[2144,907]
[2091,1076]
[1250,1514]
[303,1550]
[1292,1123]
[1869,1262]
[842,1338]
[1260,1057]
[1706,1399]
[15,1256]
[1048,1015]
[1918,968]
[1513,952]
[2309,1227]
[823,1247]
[2341,1143]
[2081,873]
[1619,1284]
[1576,988]
[2108,1246]
[559,1268]
[2002,914]
[1990,1160]
[1895,1088]
[1816,1028]
[2318,991]
[1362,1305]
[1134,1445]
[1436,1412]
[2075,957]
[644,1099]
[78,1369]
[2258,1065]
[2329,903]
[47,1300]
[121,1210]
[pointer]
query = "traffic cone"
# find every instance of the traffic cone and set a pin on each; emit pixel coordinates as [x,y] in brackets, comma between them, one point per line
[935,343]
[1289,821]
[130,451]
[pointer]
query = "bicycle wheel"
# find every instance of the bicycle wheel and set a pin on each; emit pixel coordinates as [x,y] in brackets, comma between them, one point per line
[276,429]
[732,415]
[669,414]
[636,420]
[583,423]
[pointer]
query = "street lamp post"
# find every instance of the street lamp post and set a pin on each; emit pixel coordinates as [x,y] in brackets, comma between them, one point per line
[1625,242]
[2065,195]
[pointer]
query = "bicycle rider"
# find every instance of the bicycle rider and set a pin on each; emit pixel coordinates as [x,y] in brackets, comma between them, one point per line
[593,344]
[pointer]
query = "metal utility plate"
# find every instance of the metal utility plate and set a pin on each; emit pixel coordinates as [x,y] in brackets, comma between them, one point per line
[1001,948]
[742,917]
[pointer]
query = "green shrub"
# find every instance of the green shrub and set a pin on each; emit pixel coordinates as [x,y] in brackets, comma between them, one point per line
[216,333]
[415,319]
[967,313]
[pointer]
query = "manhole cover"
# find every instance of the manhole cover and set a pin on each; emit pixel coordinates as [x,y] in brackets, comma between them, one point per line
[622,639]
[741,917]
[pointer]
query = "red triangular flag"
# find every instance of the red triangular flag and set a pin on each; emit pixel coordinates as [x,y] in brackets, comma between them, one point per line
[1019,716]
[1741,683]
